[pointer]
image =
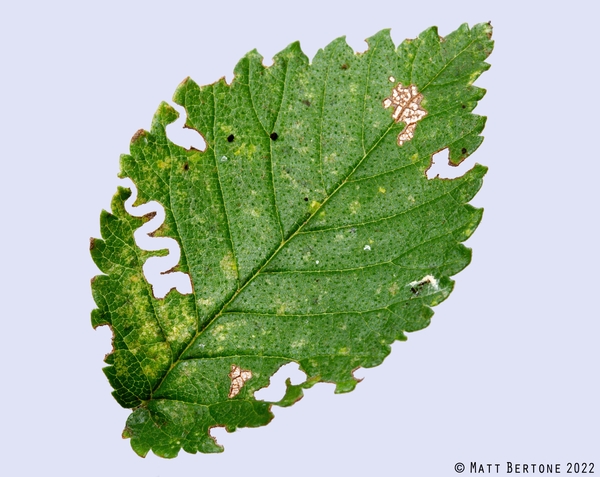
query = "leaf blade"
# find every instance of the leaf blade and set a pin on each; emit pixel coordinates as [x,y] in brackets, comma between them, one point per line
[309,234]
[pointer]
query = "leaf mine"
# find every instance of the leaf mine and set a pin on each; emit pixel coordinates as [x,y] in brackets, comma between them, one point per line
[406,101]
[238,377]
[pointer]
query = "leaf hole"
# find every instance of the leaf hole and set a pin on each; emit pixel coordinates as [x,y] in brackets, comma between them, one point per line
[276,389]
[158,271]
[441,167]
[182,135]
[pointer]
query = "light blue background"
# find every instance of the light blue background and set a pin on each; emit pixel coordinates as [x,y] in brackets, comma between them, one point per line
[508,369]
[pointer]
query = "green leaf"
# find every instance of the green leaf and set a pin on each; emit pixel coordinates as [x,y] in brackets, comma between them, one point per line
[308,227]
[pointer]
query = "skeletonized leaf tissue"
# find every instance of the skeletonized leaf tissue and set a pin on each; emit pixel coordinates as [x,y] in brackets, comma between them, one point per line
[308,228]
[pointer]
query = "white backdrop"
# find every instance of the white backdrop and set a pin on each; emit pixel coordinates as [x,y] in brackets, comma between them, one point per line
[508,369]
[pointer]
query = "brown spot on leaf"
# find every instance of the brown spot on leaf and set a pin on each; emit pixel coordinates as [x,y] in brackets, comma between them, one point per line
[174,269]
[138,134]
[464,150]
[149,216]
[344,66]
[489,32]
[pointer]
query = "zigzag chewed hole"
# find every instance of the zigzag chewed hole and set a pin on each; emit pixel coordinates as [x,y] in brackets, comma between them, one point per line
[157,269]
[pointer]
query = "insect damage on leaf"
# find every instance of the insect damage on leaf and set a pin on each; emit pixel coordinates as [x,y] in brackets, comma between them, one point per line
[308,227]
[417,285]
[238,377]
[407,109]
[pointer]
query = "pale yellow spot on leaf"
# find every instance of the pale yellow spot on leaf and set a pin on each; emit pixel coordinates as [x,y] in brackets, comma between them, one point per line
[178,332]
[329,158]
[354,207]
[298,344]
[314,205]
[229,266]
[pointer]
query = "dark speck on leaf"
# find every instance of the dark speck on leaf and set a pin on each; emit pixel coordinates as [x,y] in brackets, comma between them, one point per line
[344,66]
[306,199]
[186,166]
[306,102]
[464,150]
[274,136]
[463,106]
[230,138]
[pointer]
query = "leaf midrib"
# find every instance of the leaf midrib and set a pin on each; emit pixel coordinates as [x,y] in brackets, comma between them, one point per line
[295,232]
[298,229]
